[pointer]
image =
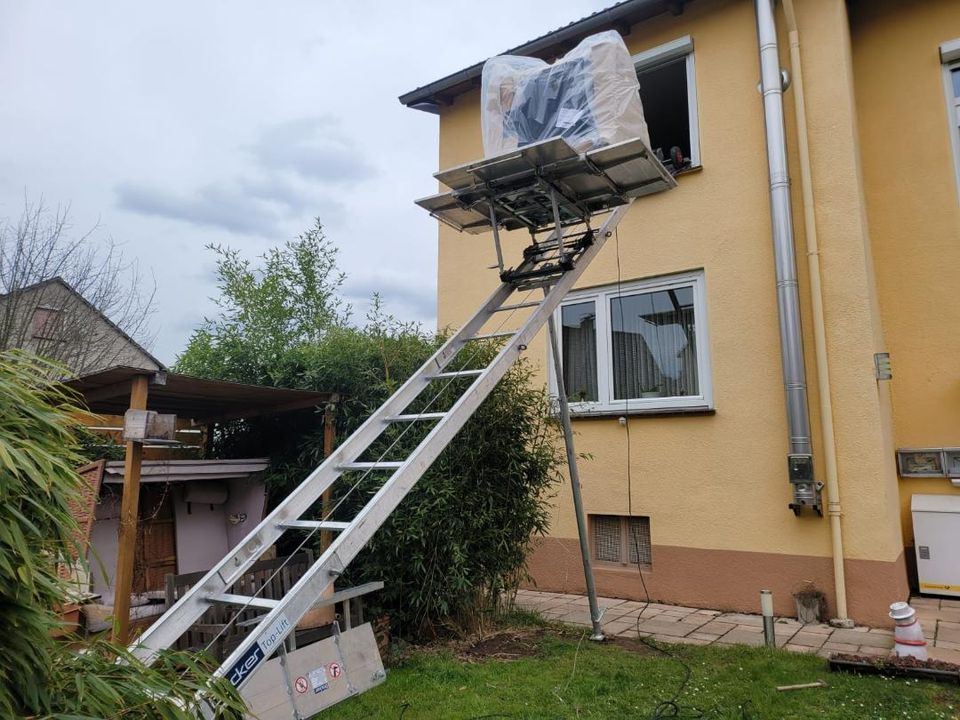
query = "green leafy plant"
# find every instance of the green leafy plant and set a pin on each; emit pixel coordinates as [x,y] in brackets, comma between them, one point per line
[461,537]
[69,678]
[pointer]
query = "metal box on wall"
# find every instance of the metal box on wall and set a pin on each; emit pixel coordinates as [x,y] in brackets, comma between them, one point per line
[936,529]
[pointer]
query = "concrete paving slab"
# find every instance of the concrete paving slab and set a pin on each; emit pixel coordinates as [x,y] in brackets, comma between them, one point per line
[838,647]
[852,637]
[672,629]
[821,628]
[739,636]
[741,619]
[680,640]
[945,654]
[800,648]
[873,651]
[808,639]
[716,627]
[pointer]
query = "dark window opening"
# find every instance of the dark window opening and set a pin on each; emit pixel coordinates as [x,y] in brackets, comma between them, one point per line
[663,91]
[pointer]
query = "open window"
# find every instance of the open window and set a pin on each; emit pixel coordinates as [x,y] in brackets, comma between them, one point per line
[669,94]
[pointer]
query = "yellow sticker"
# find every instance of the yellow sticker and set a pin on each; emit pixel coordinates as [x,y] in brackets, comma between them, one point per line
[938,586]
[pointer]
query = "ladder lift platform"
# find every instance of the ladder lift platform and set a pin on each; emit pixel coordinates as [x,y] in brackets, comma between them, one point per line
[546,188]
[515,188]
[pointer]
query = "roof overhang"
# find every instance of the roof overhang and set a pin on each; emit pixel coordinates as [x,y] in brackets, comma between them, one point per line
[166,471]
[201,399]
[620,17]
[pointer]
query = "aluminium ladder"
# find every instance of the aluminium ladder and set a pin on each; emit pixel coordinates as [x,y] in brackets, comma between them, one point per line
[548,203]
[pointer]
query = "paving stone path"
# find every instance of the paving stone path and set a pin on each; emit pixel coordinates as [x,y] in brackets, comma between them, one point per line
[695,626]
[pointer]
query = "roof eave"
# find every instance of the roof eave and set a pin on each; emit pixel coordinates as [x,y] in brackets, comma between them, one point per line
[621,16]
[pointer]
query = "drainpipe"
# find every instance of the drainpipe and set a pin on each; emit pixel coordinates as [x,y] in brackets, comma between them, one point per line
[819,331]
[806,491]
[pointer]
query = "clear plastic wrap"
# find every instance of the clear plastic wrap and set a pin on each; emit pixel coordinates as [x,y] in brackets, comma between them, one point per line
[590,97]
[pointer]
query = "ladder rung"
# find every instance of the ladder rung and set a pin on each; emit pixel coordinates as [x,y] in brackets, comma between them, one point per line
[453,374]
[492,336]
[312,525]
[415,418]
[256,602]
[382,465]
[519,306]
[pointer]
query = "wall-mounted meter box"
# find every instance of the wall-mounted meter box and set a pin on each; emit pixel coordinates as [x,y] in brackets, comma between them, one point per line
[936,527]
[920,462]
[951,462]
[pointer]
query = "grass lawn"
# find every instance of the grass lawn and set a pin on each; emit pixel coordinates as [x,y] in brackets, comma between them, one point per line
[549,671]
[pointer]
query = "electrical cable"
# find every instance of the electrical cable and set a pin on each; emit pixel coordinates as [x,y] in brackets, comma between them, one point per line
[670,707]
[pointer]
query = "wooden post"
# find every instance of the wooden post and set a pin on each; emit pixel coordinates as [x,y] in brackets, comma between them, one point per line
[326,537]
[129,511]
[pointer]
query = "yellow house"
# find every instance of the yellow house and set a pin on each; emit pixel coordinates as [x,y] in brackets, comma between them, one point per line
[681,412]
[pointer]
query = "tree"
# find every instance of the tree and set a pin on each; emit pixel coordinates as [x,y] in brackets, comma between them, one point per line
[41,676]
[291,301]
[461,537]
[40,258]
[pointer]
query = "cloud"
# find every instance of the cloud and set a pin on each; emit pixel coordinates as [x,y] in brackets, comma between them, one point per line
[295,164]
[313,148]
[418,298]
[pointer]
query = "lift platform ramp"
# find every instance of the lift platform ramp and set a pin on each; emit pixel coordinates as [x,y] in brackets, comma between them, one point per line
[546,188]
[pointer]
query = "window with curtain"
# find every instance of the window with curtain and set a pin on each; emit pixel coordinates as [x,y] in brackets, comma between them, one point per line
[579,322]
[638,347]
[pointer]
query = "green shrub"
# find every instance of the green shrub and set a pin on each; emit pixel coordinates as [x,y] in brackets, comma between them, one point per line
[461,537]
[40,676]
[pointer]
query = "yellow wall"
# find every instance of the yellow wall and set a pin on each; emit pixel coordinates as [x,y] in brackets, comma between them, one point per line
[719,481]
[914,213]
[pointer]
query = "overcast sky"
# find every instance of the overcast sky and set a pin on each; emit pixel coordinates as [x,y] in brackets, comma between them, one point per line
[178,124]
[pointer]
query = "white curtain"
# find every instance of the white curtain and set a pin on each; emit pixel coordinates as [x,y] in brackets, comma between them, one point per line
[579,341]
[654,344]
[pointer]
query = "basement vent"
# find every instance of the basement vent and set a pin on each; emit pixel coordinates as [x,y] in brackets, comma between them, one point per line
[620,539]
[924,552]
[606,538]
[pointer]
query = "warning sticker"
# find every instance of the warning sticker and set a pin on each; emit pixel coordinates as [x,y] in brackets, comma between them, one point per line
[334,670]
[300,684]
[318,680]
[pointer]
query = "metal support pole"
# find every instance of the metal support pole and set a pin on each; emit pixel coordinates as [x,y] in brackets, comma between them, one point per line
[766,607]
[575,483]
[496,238]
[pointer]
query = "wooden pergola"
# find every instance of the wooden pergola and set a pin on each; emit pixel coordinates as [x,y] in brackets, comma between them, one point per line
[205,402]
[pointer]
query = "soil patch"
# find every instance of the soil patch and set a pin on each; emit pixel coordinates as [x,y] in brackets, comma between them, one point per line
[896,661]
[506,645]
[634,645]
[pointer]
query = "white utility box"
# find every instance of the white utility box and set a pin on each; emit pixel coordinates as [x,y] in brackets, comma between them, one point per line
[936,538]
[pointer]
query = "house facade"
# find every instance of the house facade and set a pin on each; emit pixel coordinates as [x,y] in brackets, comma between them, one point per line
[671,341]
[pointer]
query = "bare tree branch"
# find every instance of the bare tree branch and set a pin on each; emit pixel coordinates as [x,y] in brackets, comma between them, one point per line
[36,312]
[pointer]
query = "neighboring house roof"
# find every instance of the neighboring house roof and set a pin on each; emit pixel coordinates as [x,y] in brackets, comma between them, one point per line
[619,17]
[67,286]
[202,399]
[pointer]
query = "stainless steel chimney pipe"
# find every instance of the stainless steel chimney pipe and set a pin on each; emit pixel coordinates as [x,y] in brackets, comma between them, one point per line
[772,83]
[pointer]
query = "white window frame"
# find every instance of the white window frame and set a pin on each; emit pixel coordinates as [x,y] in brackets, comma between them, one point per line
[606,403]
[950,61]
[669,52]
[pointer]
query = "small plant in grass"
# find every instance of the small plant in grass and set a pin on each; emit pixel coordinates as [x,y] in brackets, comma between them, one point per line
[41,677]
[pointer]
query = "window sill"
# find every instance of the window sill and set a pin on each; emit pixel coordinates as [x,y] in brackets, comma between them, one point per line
[639,412]
[621,568]
[689,170]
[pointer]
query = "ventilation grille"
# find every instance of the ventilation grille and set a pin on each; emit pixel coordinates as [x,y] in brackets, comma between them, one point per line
[621,539]
[638,540]
[924,552]
[607,538]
